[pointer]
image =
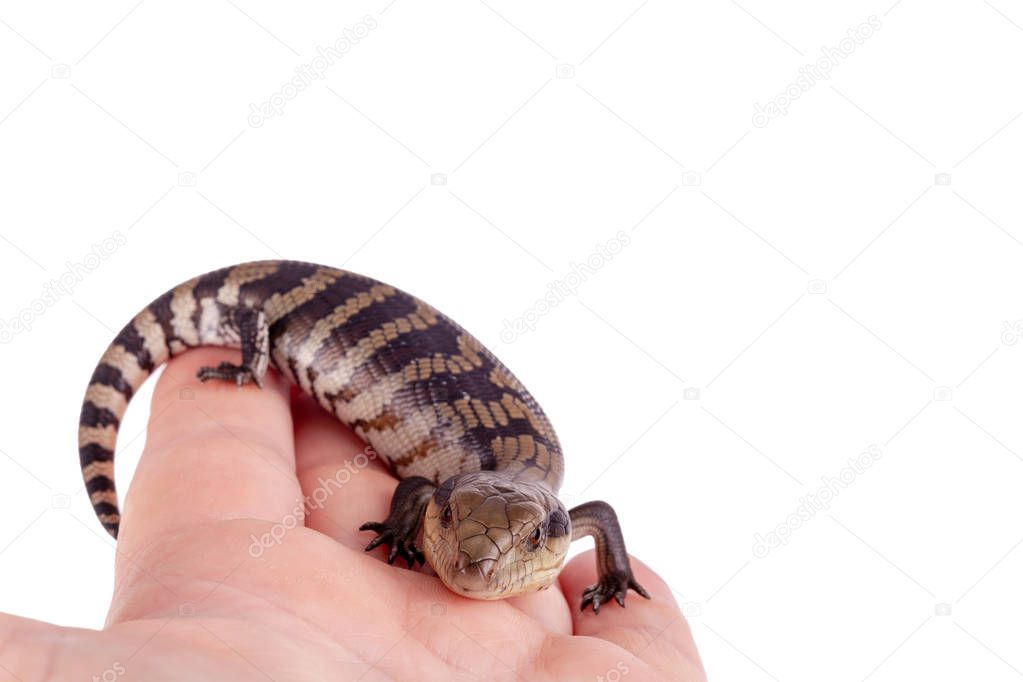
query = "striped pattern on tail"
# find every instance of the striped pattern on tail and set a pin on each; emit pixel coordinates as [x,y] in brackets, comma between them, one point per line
[136,351]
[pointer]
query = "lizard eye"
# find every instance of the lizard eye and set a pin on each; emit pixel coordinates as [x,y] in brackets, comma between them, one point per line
[445,516]
[533,541]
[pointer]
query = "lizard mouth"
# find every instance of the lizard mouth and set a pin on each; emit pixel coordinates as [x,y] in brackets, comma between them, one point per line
[472,576]
[475,577]
[477,570]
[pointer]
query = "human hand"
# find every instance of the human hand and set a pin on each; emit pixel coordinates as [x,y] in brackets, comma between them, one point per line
[219,576]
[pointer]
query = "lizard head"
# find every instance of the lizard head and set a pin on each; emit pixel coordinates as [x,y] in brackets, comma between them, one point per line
[489,537]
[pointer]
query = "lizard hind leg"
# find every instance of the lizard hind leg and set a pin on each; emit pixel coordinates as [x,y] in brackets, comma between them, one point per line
[248,328]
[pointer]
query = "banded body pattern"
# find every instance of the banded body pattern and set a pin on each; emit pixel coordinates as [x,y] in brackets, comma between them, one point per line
[429,398]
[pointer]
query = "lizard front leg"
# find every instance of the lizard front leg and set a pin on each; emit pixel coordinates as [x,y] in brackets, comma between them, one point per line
[402,524]
[614,574]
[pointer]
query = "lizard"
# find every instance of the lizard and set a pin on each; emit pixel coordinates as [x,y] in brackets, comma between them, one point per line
[478,461]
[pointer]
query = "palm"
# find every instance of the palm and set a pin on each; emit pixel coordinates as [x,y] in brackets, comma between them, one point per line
[219,576]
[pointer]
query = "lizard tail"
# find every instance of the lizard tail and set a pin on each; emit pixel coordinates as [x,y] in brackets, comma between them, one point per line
[132,356]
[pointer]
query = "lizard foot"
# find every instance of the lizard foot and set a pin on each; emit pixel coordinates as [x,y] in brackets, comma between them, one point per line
[401,538]
[402,524]
[612,585]
[237,373]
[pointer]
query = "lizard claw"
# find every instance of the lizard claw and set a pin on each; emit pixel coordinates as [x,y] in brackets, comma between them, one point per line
[613,585]
[239,374]
[402,542]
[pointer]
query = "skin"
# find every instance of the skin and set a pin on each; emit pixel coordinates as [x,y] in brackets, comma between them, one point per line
[191,602]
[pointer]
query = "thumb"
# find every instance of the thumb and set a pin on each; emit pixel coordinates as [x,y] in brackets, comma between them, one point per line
[34,650]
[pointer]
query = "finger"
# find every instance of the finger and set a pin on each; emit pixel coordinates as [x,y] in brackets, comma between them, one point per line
[344,482]
[654,630]
[547,607]
[214,451]
[34,650]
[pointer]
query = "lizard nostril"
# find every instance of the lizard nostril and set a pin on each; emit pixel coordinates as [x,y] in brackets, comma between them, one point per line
[484,568]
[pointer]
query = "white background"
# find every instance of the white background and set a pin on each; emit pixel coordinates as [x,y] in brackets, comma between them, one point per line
[815,283]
